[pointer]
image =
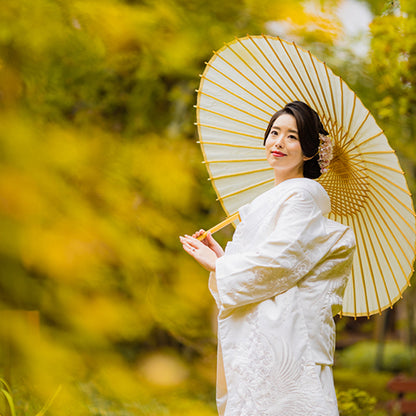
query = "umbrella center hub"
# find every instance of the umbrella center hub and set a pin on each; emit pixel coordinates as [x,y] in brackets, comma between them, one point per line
[346,183]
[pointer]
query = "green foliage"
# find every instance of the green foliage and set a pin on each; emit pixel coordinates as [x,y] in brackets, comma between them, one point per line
[397,357]
[354,402]
[392,66]
[5,391]
[374,383]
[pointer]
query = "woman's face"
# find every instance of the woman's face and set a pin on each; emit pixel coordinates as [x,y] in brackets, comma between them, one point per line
[283,149]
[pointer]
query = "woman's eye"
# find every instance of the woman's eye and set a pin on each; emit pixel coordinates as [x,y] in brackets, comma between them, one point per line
[293,137]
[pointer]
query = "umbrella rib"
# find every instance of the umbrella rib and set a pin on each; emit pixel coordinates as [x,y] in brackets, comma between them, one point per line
[262,67]
[342,143]
[394,237]
[233,161]
[285,69]
[230,131]
[244,189]
[393,184]
[245,77]
[385,167]
[232,106]
[357,146]
[332,95]
[230,175]
[231,118]
[368,261]
[239,146]
[398,228]
[370,222]
[234,94]
[310,80]
[353,276]
[273,66]
[379,152]
[362,276]
[348,203]
[320,84]
[297,72]
[374,218]
[356,131]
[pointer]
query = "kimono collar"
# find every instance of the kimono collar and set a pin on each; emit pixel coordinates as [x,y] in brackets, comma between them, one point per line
[314,188]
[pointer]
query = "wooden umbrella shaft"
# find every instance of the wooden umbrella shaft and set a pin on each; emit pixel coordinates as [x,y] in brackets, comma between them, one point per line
[222,224]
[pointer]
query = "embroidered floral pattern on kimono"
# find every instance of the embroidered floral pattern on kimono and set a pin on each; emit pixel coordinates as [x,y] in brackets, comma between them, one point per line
[277,288]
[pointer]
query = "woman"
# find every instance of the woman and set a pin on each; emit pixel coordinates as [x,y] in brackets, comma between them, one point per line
[280,282]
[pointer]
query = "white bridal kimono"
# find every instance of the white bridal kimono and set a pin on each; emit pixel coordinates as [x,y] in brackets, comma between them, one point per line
[277,288]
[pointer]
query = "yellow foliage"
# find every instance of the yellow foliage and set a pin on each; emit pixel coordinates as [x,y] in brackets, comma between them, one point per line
[19,198]
[119,26]
[161,169]
[163,369]
[99,176]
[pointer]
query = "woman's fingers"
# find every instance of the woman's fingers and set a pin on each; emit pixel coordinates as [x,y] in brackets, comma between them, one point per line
[191,242]
[199,251]
[198,233]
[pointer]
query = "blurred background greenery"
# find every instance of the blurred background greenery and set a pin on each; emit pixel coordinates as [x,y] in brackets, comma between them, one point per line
[100,309]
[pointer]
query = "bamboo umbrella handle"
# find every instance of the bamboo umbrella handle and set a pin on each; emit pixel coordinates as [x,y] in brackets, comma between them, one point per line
[222,224]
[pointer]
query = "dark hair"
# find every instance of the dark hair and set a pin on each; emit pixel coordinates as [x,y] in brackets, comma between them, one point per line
[309,128]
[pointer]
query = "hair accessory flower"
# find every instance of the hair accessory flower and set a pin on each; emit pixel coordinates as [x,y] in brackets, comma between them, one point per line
[325,152]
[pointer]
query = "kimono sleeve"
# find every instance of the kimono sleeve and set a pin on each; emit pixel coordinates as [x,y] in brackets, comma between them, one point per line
[295,245]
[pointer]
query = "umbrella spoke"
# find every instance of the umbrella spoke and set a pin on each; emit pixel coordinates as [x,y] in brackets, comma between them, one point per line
[371,220]
[233,107]
[248,188]
[247,172]
[385,167]
[379,152]
[233,161]
[204,77]
[284,67]
[358,145]
[240,146]
[360,261]
[232,118]
[201,93]
[265,70]
[347,131]
[393,196]
[239,133]
[247,78]
[368,260]
[353,277]
[274,68]
[321,87]
[393,233]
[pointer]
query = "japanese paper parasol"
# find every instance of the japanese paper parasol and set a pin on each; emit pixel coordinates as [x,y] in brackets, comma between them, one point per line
[243,85]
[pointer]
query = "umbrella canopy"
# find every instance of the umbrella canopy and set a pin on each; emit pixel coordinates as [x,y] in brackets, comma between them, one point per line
[243,85]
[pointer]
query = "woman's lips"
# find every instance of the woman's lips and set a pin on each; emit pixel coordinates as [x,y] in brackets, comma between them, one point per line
[278,154]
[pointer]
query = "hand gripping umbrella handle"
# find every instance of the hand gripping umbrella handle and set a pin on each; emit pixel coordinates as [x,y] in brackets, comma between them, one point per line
[222,224]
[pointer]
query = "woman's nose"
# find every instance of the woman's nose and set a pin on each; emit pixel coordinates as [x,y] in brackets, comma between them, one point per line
[279,141]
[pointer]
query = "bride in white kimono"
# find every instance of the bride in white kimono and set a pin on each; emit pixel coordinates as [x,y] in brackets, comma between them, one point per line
[280,282]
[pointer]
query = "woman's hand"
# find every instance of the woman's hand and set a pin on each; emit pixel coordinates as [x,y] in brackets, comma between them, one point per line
[200,251]
[210,242]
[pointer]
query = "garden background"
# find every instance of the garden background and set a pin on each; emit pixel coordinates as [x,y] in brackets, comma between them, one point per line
[101,312]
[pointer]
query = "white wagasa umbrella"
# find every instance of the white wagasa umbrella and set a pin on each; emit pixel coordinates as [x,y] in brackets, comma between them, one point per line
[243,85]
